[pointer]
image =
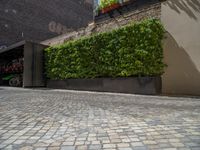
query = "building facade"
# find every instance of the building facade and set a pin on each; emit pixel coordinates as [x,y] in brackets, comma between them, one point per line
[41,19]
[181,19]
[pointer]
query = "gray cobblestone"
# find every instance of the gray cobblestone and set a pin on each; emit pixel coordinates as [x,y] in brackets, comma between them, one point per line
[72,120]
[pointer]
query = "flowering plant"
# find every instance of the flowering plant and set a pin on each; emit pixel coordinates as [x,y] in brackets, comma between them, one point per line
[107,3]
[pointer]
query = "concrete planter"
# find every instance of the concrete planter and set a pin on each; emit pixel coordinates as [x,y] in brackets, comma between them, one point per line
[132,85]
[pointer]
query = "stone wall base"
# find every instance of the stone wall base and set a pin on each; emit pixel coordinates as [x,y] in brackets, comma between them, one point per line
[132,85]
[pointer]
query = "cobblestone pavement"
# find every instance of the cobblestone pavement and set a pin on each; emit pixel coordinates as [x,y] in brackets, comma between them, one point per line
[70,120]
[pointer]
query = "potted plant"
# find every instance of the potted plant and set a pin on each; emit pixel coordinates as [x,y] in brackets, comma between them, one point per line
[108,5]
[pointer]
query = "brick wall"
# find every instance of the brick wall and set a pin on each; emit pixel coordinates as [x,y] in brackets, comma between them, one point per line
[147,11]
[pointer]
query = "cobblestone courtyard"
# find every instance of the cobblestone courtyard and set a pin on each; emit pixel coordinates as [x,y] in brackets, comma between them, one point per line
[69,120]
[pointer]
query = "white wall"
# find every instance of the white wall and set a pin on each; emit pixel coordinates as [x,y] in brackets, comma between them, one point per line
[181,19]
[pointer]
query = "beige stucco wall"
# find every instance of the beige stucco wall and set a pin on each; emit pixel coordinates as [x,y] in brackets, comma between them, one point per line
[181,19]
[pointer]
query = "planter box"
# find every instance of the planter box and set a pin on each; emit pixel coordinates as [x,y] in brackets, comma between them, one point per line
[132,85]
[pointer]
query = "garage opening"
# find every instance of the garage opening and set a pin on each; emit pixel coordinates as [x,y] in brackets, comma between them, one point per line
[21,65]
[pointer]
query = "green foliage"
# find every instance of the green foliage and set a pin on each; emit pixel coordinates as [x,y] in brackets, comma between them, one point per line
[133,50]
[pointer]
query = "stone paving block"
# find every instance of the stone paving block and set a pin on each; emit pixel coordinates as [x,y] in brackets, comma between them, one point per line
[136,139]
[82,147]
[126,140]
[174,140]
[79,143]
[26,148]
[170,149]
[140,148]
[54,148]
[95,147]
[105,141]
[122,145]
[177,144]
[164,145]
[125,148]
[109,146]
[116,140]
[40,148]
[183,148]
[195,148]
[68,143]
[192,144]
[149,142]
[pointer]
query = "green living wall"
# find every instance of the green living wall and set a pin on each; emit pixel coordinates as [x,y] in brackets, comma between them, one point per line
[133,50]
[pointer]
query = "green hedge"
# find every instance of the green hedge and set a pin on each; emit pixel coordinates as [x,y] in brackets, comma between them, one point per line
[133,50]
